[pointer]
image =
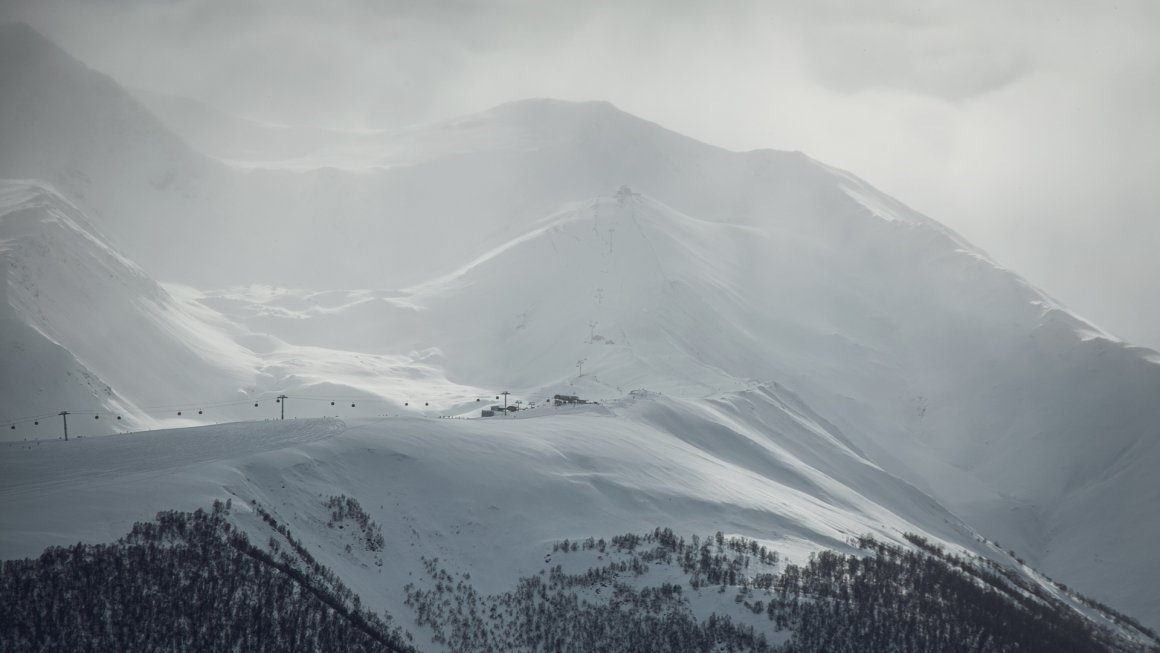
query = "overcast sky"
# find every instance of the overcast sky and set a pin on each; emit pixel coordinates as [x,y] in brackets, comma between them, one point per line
[1031,127]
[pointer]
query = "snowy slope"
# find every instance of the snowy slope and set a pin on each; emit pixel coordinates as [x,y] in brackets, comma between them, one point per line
[923,354]
[762,291]
[78,130]
[49,376]
[49,379]
[88,330]
[486,498]
[430,198]
[67,282]
[948,371]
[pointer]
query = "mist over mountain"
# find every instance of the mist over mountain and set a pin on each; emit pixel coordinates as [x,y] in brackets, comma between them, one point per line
[779,350]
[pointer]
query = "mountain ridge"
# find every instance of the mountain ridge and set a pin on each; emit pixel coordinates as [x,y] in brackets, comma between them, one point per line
[710,273]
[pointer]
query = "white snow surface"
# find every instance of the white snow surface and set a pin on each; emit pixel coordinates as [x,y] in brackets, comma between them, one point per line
[486,497]
[829,361]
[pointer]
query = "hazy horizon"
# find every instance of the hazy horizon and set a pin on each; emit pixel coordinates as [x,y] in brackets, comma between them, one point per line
[1029,129]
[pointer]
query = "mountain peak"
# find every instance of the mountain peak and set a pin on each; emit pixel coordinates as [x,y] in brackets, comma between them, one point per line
[549,107]
[546,121]
[23,47]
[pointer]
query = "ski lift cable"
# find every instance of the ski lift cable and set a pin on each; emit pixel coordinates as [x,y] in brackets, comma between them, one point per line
[190,405]
[365,398]
[202,406]
[145,410]
[30,418]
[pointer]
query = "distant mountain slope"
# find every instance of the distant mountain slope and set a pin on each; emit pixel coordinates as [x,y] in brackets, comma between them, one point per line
[57,111]
[87,329]
[250,143]
[433,196]
[70,126]
[49,380]
[40,377]
[771,292]
[66,281]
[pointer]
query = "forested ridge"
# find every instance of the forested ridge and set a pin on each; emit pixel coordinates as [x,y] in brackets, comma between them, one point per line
[185,582]
[889,599]
[194,582]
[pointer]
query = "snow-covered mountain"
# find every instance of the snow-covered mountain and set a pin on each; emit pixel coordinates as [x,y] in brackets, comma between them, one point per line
[943,368]
[828,361]
[156,349]
[49,378]
[68,283]
[78,130]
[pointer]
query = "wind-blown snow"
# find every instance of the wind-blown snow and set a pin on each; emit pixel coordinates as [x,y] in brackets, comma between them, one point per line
[830,360]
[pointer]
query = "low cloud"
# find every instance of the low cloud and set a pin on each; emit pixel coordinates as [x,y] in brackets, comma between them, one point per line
[1030,127]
